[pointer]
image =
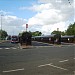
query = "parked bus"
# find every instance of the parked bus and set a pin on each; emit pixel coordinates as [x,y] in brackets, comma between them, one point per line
[14,39]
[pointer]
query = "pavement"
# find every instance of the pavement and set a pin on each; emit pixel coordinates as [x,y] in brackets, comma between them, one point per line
[40,60]
[1,41]
[42,44]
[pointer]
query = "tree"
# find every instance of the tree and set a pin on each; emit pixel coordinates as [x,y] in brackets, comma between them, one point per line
[58,32]
[19,34]
[3,34]
[36,33]
[63,33]
[71,29]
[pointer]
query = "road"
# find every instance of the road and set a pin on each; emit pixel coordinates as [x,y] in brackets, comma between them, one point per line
[44,60]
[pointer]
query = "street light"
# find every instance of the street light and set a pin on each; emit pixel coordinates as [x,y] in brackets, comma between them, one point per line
[1,26]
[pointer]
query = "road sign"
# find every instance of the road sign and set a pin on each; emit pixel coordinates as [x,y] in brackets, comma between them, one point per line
[26,25]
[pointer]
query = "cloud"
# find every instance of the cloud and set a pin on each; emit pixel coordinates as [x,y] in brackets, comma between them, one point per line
[12,24]
[45,1]
[51,15]
[4,12]
[55,1]
[46,17]
[37,7]
[47,29]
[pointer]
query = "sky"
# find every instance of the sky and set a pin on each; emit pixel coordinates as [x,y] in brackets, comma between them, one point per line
[40,15]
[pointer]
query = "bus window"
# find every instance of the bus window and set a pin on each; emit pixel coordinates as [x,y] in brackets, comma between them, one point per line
[14,39]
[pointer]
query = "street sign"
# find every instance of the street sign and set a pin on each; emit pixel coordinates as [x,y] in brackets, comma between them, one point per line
[26,25]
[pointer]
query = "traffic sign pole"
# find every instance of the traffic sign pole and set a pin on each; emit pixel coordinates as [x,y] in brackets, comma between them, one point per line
[26,27]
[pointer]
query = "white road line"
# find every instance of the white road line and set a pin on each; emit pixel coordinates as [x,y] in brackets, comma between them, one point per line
[58,67]
[45,65]
[20,46]
[0,48]
[17,47]
[13,70]
[14,48]
[7,48]
[64,60]
[74,58]
[74,72]
[53,66]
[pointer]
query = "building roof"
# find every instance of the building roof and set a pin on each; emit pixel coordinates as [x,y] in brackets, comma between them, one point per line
[67,36]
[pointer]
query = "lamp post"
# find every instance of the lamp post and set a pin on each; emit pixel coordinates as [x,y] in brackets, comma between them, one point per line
[1,27]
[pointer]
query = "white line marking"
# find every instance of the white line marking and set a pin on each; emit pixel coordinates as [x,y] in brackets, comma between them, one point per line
[45,65]
[58,67]
[74,72]
[20,46]
[17,47]
[52,66]
[14,48]
[13,70]
[7,48]
[0,48]
[74,58]
[64,60]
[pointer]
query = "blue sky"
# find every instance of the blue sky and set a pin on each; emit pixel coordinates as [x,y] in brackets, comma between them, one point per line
[14,5]
[41,15]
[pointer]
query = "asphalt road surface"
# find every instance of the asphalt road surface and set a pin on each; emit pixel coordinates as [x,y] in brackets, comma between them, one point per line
[44,60]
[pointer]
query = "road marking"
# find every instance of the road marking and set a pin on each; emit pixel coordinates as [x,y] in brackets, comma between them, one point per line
[14,48]
[58,67]
[7,48]
[45,65]
[74,72]
[13,70]
[64,60]
[17,47]
[74,58]
[0,48]
[53,66]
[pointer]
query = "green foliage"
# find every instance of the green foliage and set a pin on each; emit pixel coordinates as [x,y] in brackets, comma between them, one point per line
[3,34]
[36,33]
[58,32]
[20,34]
[71,29]
[63,33]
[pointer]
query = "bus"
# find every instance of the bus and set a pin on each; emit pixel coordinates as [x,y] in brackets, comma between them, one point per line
[14,39]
